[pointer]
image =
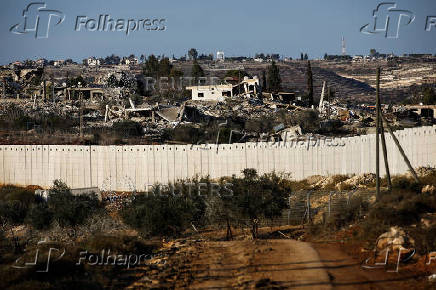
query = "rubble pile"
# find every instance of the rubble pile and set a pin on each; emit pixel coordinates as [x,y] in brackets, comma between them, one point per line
[327,182]
[395,239]
[102,96]
[357,181]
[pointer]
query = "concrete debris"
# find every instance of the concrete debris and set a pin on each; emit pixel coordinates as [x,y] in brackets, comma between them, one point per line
[429,189]
[428,220]
[357,181]
[395,239]
[290,133]
[432,278]
[324,182]
[104,95]
[170,114]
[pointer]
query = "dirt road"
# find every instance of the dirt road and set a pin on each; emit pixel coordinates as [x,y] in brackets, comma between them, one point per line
[267,264]
[264,263]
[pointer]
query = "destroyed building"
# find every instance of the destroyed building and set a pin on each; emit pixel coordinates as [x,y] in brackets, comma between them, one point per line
[248,87]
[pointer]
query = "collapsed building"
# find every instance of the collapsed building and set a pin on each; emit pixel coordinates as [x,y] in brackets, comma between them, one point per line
[248,87]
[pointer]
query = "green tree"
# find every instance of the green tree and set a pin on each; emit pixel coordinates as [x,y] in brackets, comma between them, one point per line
[273,80]
[151,67]
[429,96]
[259,197]
[193,54]
[175,73]
[197,71]
[112,81]
[165,211]
[67,209]
[264,80]
[39,216]
[164,67]
[309,84]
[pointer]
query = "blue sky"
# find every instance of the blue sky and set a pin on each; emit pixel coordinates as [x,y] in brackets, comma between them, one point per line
[287,27]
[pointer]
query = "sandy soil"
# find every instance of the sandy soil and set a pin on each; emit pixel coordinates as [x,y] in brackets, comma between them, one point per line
[247,264]
[269,264]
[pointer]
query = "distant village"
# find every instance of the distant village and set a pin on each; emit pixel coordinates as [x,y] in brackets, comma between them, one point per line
[201,98]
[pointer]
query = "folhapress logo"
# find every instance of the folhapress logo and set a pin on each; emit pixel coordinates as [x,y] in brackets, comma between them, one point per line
[388,20]
[36,261]
[38,19]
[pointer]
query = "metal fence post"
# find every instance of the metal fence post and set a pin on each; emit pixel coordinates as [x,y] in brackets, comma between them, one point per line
[330,203]
[308,207]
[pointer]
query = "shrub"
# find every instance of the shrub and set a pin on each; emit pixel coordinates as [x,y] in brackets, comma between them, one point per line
[118,244]
[405,183]
[160,215]
[70,210]
[12,211]
[10,192]
[350,212]
[258,197]
[39,216]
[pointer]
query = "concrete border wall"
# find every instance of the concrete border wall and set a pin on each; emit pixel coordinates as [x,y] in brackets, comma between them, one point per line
[129,168]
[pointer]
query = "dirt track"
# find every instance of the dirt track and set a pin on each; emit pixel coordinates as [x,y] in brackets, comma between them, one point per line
[287,264]
[269,264]
[236,264]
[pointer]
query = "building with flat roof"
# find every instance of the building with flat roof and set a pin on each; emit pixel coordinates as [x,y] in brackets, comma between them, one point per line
[211,93]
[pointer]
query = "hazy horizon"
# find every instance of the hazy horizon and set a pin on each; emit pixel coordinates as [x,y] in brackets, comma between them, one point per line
[288,28]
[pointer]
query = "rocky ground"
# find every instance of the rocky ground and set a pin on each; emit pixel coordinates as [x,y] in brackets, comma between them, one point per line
[268,263]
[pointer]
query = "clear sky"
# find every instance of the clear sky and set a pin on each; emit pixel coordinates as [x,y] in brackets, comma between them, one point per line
[237,27]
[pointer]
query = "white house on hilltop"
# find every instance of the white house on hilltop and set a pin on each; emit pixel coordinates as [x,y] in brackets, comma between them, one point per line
[92,61]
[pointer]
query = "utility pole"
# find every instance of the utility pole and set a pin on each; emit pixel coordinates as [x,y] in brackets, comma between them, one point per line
[383,140]
[329,92]
[380,128]
[406,160]
[344,49]
[385,155]
[44,84]
[377,137]
[80,111]
[81,115]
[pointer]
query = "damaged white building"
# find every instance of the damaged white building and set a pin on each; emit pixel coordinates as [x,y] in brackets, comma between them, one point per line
[249,87]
